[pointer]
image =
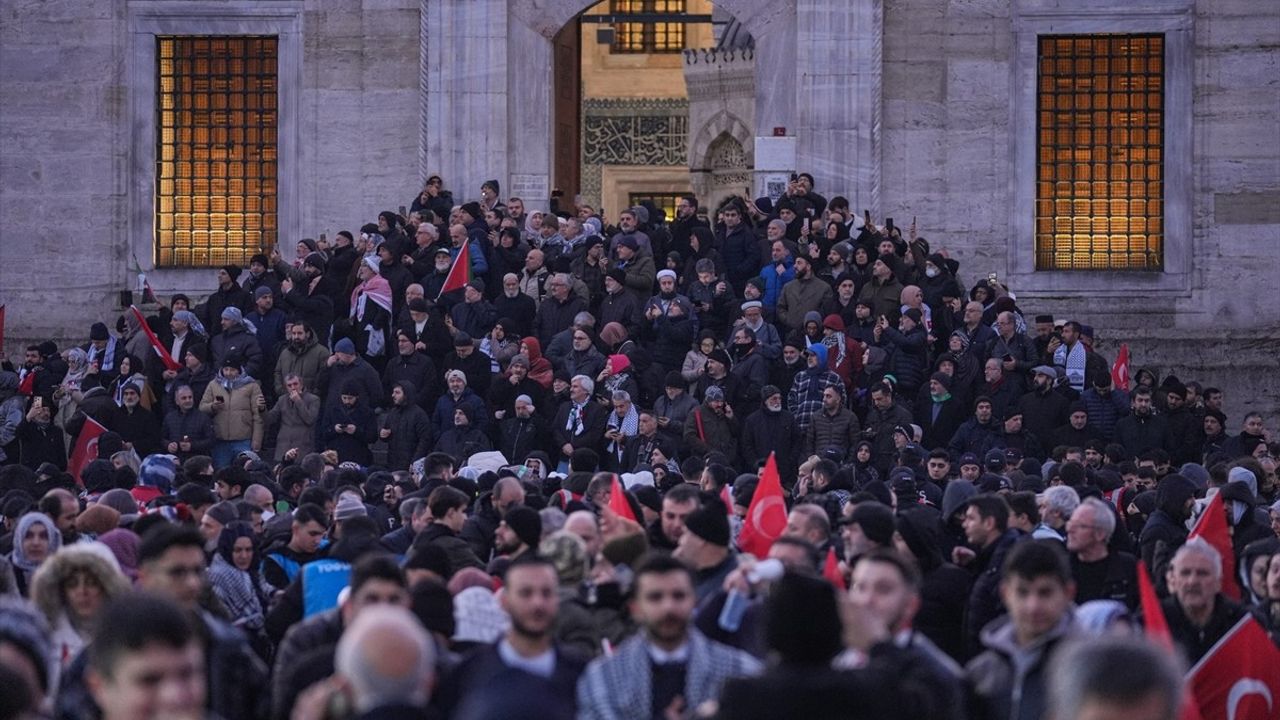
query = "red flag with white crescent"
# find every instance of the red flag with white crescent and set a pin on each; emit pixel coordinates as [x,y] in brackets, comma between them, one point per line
[618,500]
[1120,369]
[86,449]
[1239,678]
[767,514]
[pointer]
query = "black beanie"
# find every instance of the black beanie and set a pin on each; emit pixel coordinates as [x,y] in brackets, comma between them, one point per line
[709,523]
[875,520]
[526,523]
[802,621]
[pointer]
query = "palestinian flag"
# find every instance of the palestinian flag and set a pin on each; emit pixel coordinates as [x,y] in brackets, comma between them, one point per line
[460,274]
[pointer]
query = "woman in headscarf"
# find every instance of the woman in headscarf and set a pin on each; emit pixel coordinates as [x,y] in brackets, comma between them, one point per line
[618,374]
[235,577]
[701,246]
[68,394]
[539,367]
[123,544]
[532,234]
[136,342]
[70,588]
[34,539]
[371,312]
[131,373]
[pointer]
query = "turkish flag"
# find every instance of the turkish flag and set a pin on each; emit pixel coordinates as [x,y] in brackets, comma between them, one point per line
[767,515]
[618,500]
[460,274]
[831,570]
[1120,370]
[1152,615]
[1212,526]
[161,350]
[86,449]
[1239,678]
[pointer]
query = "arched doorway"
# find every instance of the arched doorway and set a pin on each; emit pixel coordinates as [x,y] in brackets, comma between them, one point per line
[487,84]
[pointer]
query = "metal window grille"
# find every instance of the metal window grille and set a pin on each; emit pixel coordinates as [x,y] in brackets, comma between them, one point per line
[216,149]
[648,37]
[665,202]
[1099,156]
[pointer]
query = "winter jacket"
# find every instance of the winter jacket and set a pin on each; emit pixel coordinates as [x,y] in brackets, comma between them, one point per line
[297,420]
[305,362]
[775,281]
[974,437]
[885,297]
[237,342]
[801,296]
[1138,433]
[41,443]
[1165,530]
[350,447]
[938,429]
[880,425]
[554,316]
[839,430]
[416,368]
[765,431]
[741,256]
[237,417]
[193,425]
[138,426]
[1043,412]
[480,527]
[458,551]
[623,308]
[1009,682]
[411,436]
[984,603]
[442,417]
[909,359]
[334,377]
[705,430]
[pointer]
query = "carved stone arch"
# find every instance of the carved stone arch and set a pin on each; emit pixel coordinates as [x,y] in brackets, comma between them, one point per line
[722,123]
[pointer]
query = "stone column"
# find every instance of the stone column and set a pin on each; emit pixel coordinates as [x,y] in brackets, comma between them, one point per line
[837,85]
[466,116]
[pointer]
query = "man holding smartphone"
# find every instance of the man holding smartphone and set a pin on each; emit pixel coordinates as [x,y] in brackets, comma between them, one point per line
[1016,352]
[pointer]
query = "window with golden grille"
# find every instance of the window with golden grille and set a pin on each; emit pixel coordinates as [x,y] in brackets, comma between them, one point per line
[216,149]
[1099,154]
[647,37]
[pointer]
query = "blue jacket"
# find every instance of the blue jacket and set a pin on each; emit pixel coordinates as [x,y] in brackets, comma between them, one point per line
[773,282]
[322,580]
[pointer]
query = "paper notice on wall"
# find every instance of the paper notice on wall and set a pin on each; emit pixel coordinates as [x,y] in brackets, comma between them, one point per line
[775,154]
[772,185]
[533,188]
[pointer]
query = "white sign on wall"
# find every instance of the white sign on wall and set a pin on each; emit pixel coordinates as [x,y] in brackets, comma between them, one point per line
[533,188]
[775,154]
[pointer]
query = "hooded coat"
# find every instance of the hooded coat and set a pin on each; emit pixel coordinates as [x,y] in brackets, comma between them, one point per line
[1165,530]
[411,436]
[69,637]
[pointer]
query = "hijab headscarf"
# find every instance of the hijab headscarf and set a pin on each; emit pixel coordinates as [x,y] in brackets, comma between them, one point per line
[539,367]
[20,560]
[77,368]
[375,288]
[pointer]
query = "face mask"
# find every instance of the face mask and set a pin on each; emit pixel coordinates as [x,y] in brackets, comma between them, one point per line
[931,272]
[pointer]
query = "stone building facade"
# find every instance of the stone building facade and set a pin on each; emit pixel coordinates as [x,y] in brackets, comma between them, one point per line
[923,108]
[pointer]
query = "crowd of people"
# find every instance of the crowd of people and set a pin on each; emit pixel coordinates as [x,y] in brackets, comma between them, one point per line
[483,460]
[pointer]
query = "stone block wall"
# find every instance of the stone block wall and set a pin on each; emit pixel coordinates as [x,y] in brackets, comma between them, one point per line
[65,124]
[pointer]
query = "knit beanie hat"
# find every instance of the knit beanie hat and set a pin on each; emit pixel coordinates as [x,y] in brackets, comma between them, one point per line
[349,506]
[709,523]
[525,523]
[875,520]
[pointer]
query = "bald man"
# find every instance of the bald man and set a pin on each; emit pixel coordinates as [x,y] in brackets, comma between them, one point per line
[388,660]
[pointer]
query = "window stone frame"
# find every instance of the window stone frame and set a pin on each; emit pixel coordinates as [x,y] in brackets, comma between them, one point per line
[1175,20]
[146,20]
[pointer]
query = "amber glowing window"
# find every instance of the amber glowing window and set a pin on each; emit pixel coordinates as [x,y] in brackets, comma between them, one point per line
[648,36]
[1099,159]
[216,119]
